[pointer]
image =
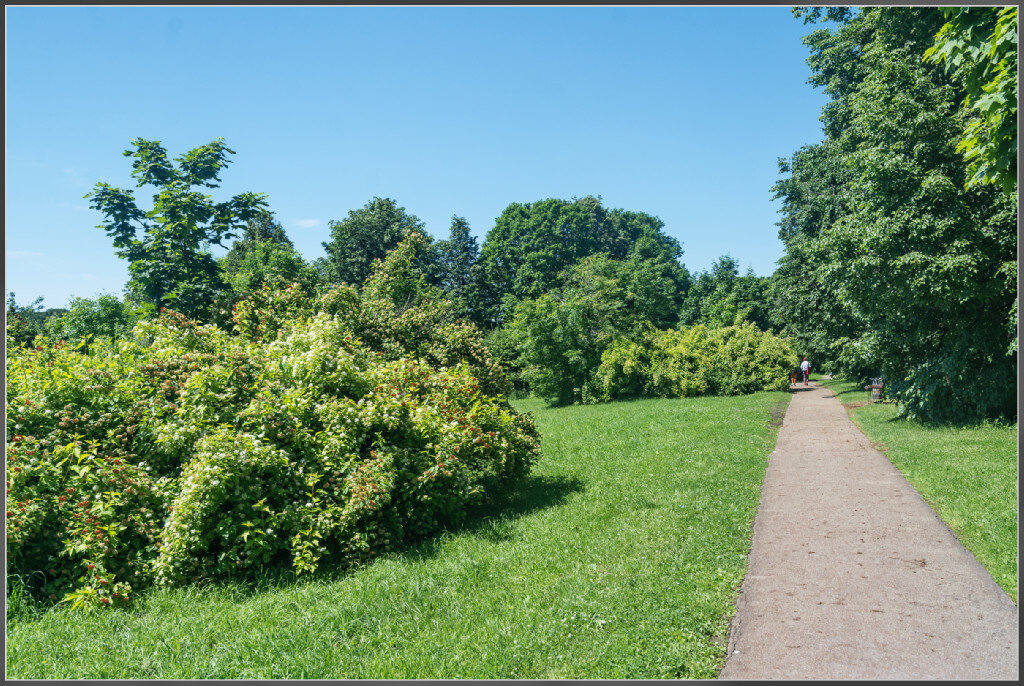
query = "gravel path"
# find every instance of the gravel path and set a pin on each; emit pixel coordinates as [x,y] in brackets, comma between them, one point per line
[853,576]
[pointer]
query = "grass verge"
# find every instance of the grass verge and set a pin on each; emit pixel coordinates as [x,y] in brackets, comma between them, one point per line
[620,557]
[968,474]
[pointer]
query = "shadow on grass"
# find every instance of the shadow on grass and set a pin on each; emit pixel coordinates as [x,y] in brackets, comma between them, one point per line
[493,520]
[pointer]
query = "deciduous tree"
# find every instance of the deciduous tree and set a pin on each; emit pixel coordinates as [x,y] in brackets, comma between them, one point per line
[532,243]
[166,247]
[365,235]
[922,269]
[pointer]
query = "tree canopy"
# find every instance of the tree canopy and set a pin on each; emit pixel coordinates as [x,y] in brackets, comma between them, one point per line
[890,261]
[721,297]
[978,46]
[456,262]
[365,235]
[532,243]
[264,254]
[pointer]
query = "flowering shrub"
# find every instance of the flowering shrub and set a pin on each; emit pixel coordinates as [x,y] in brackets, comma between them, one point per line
[184,452]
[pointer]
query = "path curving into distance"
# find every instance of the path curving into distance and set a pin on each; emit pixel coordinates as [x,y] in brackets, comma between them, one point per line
[853,576]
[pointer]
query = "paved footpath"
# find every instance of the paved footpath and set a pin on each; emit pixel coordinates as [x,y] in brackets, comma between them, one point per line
[853,576]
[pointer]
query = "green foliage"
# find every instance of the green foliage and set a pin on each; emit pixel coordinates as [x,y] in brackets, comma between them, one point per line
[397,313]
[822,325]
[653,280]
[722,297]
[403,315]
[562,333]
[169,265]
[978,46]
[368,234]
[895,269]
[697,360]
[561,340]
[89,318]
[593,340]
[814,196]
[262,228]
[265,254]
[24,322]
[503,343]
[185,453]
[456,260]
[262,264]
[531,244]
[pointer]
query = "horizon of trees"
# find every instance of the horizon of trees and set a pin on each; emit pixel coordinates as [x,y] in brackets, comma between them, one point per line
[899,233]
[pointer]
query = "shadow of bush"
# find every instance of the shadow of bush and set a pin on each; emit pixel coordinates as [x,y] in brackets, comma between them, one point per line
[493,520]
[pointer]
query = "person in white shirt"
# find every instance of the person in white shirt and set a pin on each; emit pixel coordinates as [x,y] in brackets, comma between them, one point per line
[805,369]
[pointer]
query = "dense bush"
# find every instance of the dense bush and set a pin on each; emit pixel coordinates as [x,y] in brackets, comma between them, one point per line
[695,361]
[186,453]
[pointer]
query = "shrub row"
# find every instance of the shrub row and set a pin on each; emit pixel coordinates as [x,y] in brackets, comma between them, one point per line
[698,360]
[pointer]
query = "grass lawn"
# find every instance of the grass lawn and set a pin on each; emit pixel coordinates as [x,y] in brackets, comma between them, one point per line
[620,557]
[967,474]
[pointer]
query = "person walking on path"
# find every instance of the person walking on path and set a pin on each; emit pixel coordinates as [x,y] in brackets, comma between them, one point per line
[805,369]
[853,576]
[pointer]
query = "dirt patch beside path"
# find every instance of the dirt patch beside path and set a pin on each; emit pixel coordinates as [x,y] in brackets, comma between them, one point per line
[777,413]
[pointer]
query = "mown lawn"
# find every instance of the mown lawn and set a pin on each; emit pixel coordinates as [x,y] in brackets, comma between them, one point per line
[968,474]
[620,557]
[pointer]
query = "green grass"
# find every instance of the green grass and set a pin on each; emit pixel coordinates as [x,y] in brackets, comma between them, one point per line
[620,557]
[968,474]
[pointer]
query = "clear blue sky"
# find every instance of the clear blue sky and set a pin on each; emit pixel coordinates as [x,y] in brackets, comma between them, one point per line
[680,112]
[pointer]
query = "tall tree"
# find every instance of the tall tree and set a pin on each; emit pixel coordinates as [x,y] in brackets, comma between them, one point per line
[264,253]
[262,228]
[456,258]
[169,264]
[654,279]
[924,268]
[814,196]
[721,297]
[365,235]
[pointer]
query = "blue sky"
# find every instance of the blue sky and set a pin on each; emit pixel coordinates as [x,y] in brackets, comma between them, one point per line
[680,112]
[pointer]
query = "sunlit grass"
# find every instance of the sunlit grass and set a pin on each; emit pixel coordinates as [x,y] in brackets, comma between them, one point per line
[968,474]
[620,557]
